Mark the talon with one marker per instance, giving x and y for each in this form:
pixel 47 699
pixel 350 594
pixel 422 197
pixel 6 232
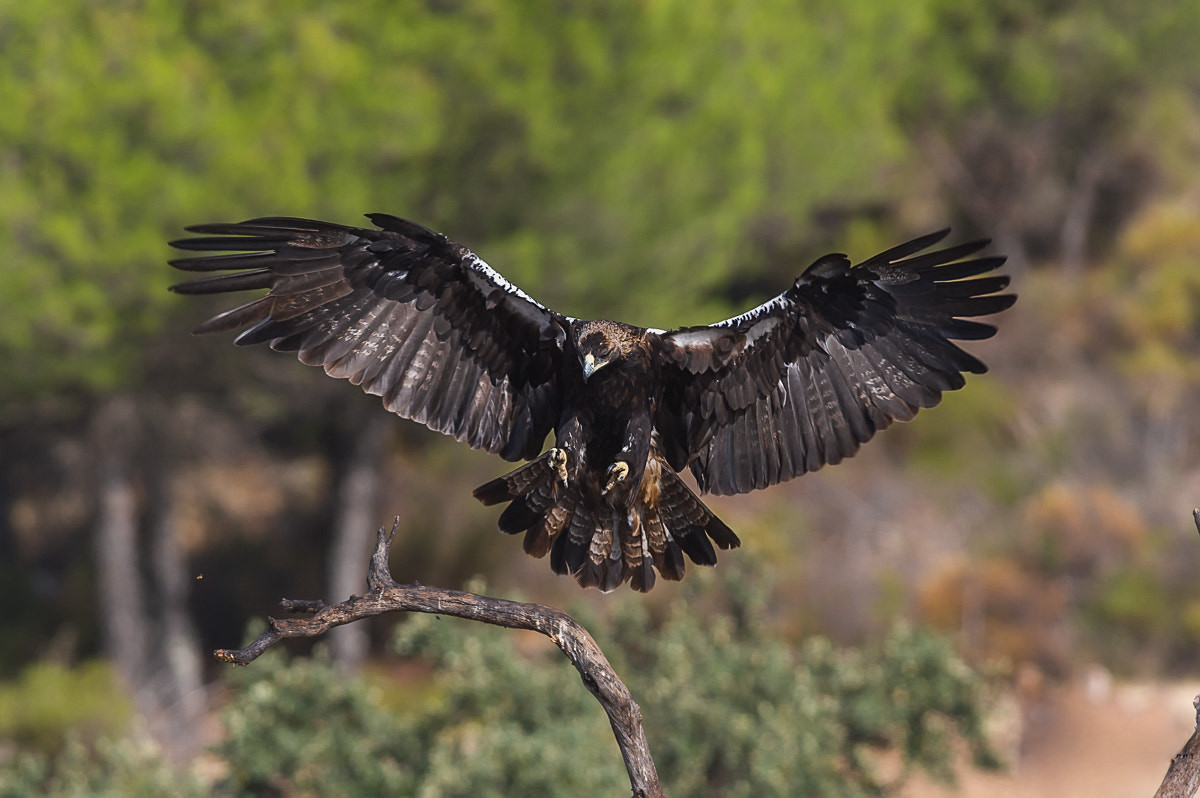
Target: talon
pixel 558 461
pixel 617 472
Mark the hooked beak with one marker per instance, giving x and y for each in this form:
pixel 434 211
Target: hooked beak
pixel 590 366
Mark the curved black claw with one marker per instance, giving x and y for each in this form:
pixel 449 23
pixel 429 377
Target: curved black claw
pixel 617 472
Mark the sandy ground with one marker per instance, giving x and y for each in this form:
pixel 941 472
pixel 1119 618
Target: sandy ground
pixel 1094 738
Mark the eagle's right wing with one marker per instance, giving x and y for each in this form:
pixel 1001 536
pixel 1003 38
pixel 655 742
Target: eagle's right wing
pixel 402 311
pixel 804 379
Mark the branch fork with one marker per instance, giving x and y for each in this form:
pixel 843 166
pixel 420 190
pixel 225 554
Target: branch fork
pixel 385 595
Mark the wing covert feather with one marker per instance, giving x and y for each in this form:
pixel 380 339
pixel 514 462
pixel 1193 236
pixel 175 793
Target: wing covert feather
pixel 401 311
pixel 806 378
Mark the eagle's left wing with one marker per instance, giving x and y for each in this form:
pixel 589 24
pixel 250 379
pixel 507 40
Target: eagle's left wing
pixel 807 377
pixel 406 313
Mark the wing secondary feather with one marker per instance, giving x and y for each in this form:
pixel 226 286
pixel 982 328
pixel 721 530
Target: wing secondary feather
pixel 401 311
pixel 804 379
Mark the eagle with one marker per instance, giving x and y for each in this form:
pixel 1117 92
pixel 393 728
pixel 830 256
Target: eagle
pixel 798 382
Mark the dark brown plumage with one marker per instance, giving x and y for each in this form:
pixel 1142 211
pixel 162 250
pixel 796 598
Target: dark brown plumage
pixel 783 389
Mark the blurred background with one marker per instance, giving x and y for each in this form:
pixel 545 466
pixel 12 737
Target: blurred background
pixel 663 162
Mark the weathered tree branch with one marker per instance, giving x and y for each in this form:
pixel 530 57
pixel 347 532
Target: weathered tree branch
pixel 1183 776
pixel 384 595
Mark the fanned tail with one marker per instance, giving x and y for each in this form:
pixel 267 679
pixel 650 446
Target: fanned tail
pixel 539 505
pixel 599 545
pixel 668 521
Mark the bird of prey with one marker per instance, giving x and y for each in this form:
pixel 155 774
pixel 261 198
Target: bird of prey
pixel 798 382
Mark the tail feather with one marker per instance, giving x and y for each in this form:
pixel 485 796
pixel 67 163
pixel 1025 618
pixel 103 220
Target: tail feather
pixel 668 556
pixel 691 522
pixel 598 568
pixel 518 517
pixel 601 546
pixel 569 551
pixel 638 557
pixel 516 483
pixel 540 536
pixel 614 575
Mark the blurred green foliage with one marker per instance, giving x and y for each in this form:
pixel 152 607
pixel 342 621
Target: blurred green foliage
pixel 47 701
pixel 732 709
pixel 1132 603
pixel 108 768
pixel 974 419
pixel 1155 306
pixel 303 728
pixel 729 709
pixel 582 148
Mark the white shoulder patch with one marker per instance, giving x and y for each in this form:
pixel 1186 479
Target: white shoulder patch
pixel 487 279
pixel 778 303
pixel 477 265
pixel 694 338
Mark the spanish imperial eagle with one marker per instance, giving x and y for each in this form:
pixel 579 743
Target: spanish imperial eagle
pixel 800 381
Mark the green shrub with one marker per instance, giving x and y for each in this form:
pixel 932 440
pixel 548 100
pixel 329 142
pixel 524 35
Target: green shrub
pixel 48 700
pixel 125 768
pixel 729 709
pixel 301 728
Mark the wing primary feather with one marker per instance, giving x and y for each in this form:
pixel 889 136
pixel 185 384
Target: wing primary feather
pixel 901 251
pixel 337 294
pixel 249 313
pixel 973 288
pixel 934 262
pixel 222 283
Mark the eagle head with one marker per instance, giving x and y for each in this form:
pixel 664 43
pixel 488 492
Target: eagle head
pixel 599 343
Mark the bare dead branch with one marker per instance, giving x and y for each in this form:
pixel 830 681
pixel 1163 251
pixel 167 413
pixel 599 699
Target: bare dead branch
pixel 384 595
pixel 1183 776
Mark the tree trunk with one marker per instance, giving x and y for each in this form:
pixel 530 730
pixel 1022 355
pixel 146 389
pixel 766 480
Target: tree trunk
pixel 1078 214
pixel 150 640
pixel 181 697
pixel 972 198
pixel 122 610
pixel 359 489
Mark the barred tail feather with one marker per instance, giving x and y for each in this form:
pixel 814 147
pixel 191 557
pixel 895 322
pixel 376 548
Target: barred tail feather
pixel 603 567
pixel 538 505
pixel 690 523
pixel 541 536
pixel 516 483
pixel 675 522
pixel 603 547
pixel 569 550
pixel 638 558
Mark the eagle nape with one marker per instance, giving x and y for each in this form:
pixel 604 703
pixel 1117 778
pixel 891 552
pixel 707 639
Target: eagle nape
pixel 798 382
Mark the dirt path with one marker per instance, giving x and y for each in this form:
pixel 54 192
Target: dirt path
pixel 1097 740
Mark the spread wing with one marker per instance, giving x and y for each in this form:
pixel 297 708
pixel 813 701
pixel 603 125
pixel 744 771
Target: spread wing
pixel 401 311
pixel 807 377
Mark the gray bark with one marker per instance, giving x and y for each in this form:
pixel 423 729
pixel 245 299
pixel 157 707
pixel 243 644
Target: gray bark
pixel 181 696
pixel 357 502
pixel 384 595
pixel 122 609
